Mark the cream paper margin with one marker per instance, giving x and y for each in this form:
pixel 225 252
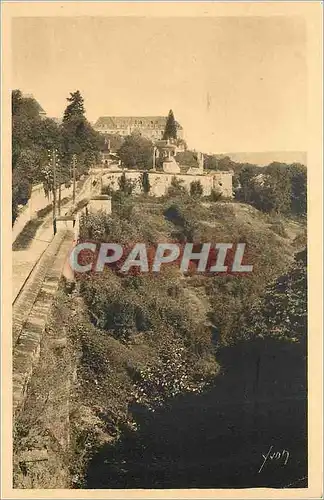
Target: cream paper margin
pixel 312 13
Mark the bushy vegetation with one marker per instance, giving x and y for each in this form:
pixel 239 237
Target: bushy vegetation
pixel 176 189
pixel 218 162
pixel 277 188
pixel 196 189
pixel 178 219
pixel 282 310
pixel 215 195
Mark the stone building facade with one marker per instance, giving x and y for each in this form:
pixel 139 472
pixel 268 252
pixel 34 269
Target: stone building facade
pixel 151 127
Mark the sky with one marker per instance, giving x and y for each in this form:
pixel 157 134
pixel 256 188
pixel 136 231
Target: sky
pixel 234 83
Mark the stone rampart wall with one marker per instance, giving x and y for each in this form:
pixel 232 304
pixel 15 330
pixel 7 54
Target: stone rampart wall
pixel 160 181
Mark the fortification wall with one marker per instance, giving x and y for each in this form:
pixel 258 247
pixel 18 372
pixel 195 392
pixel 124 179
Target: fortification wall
pixel 160 181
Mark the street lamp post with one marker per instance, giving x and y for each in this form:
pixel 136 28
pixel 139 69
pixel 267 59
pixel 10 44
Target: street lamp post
pixel 154 157
pixel 54 182
pixel 73 167
pixel 59 183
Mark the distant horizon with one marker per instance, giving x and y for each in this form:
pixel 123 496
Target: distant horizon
pixel 263 158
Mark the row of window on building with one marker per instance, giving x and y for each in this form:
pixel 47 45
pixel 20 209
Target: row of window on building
pixel 124 131
pixel 124 126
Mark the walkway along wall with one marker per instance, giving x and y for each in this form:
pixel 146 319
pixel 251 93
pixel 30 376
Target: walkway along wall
pixel 37 201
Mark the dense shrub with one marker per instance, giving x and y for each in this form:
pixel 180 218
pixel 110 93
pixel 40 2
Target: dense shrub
pixel 176 188
pixel 215 195
pixel 196 189
pixel 282 311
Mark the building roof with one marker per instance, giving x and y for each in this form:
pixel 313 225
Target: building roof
pixel 114 122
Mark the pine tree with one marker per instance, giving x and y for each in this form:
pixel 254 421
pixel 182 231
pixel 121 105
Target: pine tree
pixel 76 108
pixel 170 131
pixel 79 138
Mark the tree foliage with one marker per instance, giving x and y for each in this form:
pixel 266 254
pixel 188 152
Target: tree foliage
pixel 79 137
pixel 136 151
pixel 187 158
pixel 277 188
pixel 170 131
pixel 196 189
pixel 217 162
pixel 282 311
pixel 298 178
pixel 75 108
pixel 159 340
pixel 126 186
pixel 32 136
pixel 145 181
pixel 176 188
pixel 112 142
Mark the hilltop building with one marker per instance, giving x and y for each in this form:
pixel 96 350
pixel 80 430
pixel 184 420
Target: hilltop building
pixel 151 127
pixel 165 168
pixel 164 165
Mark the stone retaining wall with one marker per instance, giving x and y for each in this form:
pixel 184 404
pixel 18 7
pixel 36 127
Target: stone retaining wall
pixel 160 181
pixel 24 302
pixel 31 310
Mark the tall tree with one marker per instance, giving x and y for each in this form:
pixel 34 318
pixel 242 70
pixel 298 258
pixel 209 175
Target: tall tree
pixel 246 182
pixel 276 189
pixel 79 138
pixel 76 107
pixel 170 131
pixel 145 182
pixel 298 176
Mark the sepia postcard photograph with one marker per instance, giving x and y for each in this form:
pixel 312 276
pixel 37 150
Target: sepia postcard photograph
pixel 161 299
